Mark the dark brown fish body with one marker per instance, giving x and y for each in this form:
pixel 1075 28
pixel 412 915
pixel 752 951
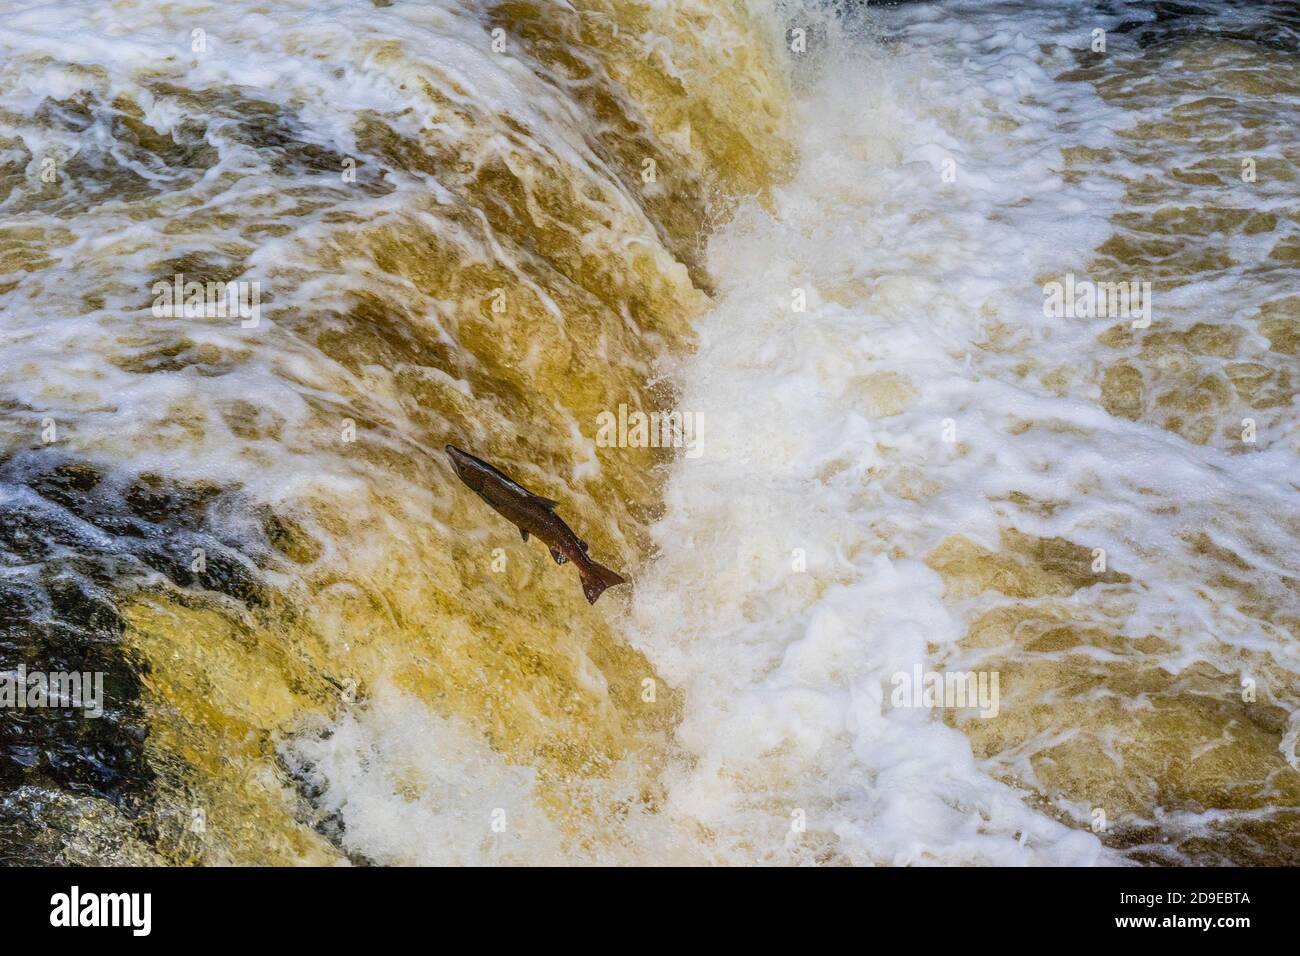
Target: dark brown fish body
pixel 535 515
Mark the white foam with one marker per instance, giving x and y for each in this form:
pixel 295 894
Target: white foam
pixel 783 672
pixel 414 789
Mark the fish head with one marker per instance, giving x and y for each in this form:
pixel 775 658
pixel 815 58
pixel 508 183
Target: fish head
pixel 465 465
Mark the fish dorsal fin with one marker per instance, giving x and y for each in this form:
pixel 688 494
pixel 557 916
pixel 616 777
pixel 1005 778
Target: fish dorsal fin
pixel 583 545
pixel 546 503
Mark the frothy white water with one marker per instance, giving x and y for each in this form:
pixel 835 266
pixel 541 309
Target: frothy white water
pixel 826 446
pixel 824 426
pixel 817 424
pixel 418 788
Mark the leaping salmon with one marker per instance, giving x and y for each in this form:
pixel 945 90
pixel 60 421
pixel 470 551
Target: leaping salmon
pixel 533 514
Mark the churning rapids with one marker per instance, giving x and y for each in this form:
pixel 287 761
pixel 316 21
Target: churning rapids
pixel 822 236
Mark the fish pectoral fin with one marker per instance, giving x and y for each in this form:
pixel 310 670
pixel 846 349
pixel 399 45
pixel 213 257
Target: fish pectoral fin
pixel 559 558
pixel 523 533
pixel 546 503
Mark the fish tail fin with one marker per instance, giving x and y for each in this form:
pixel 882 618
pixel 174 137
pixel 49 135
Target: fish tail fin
pixel 596 578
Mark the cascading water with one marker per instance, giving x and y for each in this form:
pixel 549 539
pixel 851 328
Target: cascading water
pixel 824 236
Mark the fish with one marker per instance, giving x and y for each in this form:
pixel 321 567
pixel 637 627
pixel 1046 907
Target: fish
pixel 534 515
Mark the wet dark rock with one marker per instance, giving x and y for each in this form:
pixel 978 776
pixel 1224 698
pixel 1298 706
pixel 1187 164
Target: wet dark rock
pixel 73 540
